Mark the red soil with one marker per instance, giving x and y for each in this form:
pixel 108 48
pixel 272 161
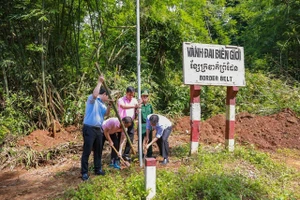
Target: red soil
pixel 281 130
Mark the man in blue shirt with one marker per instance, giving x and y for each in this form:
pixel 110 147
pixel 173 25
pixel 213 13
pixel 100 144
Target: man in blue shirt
pixel 163 127
pixel 92 129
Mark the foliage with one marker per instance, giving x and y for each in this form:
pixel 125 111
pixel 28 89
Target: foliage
pixel 74 102
pixel 266 94
pixel 176 96
pixel 269 31
pixel 50 47
pixel 112 186
pixel 212 101
pixel 18 115
pixel 246 174
pixel 263 94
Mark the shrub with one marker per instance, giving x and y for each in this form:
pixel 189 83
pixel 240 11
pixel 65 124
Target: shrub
pixel 18 116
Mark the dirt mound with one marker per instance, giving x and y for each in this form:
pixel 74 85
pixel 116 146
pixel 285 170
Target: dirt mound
pixel 41 139
pixel 281 130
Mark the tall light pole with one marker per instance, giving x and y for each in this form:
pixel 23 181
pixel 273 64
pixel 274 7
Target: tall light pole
pixel 139 78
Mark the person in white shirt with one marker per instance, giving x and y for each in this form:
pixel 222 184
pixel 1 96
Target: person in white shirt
pixel 163 127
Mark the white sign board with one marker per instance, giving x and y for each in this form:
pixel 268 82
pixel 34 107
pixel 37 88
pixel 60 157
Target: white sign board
pixel 208 64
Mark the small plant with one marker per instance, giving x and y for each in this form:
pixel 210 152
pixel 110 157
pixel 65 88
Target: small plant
pixel 60 174
pixel 180 151
pixel 244 174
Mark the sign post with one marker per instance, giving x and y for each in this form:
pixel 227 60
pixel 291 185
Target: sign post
pixel 230 117
pixel 195 111
pixel 215 65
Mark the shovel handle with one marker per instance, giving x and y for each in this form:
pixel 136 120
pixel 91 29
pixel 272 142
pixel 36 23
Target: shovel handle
pixel 118 154
pixel 115 109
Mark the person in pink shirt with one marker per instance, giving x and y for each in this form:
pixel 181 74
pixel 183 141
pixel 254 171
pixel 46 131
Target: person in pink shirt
pixel 127 107
pixel 114 134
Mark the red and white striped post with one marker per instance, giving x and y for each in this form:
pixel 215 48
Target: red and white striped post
pixel 150 177
pixel 230 117
pixel 195 117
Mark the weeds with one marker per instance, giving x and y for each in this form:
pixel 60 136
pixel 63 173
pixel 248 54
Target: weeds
pixel 180 151
pixel 27 157
pixel 243 174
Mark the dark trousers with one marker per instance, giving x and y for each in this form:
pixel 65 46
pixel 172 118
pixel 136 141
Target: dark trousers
pixel 130 132
pixel 163 143
pixel 92 139
pixel 116 137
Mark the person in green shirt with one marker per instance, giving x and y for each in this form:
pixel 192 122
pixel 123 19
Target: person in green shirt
pixel 146 109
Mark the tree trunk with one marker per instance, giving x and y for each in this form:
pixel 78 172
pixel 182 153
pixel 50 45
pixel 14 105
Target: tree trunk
pixel 43 75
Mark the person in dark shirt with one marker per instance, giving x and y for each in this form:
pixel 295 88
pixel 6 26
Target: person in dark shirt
pixel 146 109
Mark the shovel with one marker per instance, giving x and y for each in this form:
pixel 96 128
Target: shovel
pixel 116 111
pixel 127 164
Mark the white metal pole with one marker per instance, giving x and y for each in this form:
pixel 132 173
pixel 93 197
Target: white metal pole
pixel 139 78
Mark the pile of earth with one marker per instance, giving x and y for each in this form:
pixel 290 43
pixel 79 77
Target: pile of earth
pixel 40 140
pixel 280 130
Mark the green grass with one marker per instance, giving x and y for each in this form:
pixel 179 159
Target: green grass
pixel 244 174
